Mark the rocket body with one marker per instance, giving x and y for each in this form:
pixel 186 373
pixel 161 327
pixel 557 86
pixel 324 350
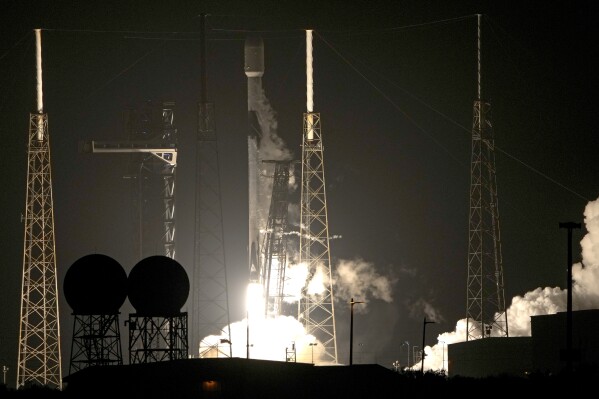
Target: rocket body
pixel 254 70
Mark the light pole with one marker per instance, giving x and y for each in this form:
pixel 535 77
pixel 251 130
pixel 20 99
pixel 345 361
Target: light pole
pixel 351 330
pixel 4 370
pixel 569 226
pixel 423 335
pixel 443 356
pixel 312 345
pixel 247 336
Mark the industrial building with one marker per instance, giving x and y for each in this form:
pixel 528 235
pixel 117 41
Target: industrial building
pixel 231 378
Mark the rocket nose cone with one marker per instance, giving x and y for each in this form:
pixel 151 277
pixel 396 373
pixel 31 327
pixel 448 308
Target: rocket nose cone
pixel 254 57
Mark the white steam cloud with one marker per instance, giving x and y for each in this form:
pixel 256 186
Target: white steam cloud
pixel 272 147
pixel 540 301
pixel 422 306
pixel 359 279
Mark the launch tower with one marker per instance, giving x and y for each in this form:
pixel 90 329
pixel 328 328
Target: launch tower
pixel 485 309
pixel 39 360
pixel 275 240
pixel 316 310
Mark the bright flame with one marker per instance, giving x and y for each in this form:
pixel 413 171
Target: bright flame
pixel 267 338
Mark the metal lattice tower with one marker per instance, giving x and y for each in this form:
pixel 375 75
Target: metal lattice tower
pixel 96 341
pixel 154 162
pixel 210 307
pixel 156 189
pixel 485 309
pixel 39 360
pixel 275 240
pixel 157 338
pixel 156 185
pixel 316 310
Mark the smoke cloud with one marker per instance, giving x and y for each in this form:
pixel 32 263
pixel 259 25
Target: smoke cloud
pixel 272 147
pixel 422 306
pixel 359 279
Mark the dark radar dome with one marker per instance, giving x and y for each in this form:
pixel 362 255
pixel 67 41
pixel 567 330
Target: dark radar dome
pixel 158 286
pixel 95 284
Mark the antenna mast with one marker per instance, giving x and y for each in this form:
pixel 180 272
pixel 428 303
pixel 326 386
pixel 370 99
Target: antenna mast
pixel 485 310
pixel 39 334
pixel 316 310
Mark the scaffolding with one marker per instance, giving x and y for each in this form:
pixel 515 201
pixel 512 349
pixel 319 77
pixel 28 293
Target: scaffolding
pixel 486 315
pixel 275 241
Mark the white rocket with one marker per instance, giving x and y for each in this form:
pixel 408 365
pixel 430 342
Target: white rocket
pixel 254 70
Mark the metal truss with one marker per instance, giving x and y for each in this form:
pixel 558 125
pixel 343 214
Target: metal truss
pixel 316 311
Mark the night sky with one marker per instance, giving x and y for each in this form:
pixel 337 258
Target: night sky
pixel 394 82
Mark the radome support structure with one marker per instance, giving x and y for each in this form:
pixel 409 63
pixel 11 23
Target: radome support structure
pixel 210 308
pixel 485 310
pixel 316 310
pixel 39 359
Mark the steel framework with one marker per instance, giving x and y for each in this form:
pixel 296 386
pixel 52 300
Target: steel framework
pixel 275 240
pixel 155 159
pixel 39 361
pixel 316 310
pixel 485 310
pixel 157 338
pixel 96 341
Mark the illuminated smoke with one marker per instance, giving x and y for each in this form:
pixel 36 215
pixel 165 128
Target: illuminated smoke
pixel 422 306
pixel 319 281
pixel 269 339
pixel 540 301
pixel 359 279
pixel 272 147
pixel 296 275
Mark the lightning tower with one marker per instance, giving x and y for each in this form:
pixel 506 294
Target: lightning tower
pixel 316 310
pixel 485 310
pixel 210 309
pixel 39 360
